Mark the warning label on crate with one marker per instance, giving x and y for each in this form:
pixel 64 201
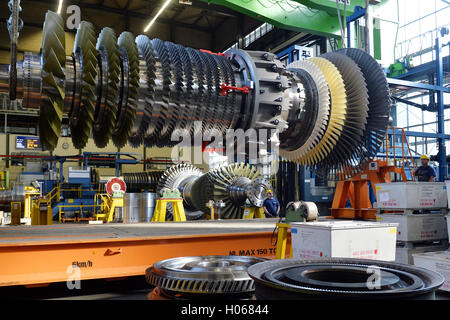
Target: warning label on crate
pixel 391 204
pixel 307 253
pixel 365 254
pixel 427 196
pixel 431 234
pixel 427 202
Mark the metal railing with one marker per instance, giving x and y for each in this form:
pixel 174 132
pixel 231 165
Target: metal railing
pixel 390 145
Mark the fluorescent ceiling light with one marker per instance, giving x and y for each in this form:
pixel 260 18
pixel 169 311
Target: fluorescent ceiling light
pixel 157 15
pixel 60 6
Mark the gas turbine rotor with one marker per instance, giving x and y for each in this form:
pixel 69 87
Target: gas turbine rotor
pixel 331 112
pixel 181 177
pixel 234 185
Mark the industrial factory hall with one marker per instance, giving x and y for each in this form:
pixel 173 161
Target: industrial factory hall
pixel 221 158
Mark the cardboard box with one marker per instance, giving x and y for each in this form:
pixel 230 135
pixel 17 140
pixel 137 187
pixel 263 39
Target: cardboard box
pixel 344 239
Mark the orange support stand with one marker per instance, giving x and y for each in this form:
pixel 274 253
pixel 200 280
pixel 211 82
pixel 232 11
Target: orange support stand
pixel 356 189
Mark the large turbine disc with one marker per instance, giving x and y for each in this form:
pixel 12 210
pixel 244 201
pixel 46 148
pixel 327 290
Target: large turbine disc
pixel 82 115
pixel 349 143
pixel 323 104
pixel 127 109
pixel 379 101
pixel 53 53
pixel 338 113
pixel 106 108
pixel 147 91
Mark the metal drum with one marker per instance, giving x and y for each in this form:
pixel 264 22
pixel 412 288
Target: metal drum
pixel 18 192
pixel 132 212
pixel 148 206
pixel 118 214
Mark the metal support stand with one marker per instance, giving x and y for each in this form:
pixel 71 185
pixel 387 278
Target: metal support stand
pixel 254 213
pixel 161 207
pixel 16 212
pixel 282 240
pixel 42 213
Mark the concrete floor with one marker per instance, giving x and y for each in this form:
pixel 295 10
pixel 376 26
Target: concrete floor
pixel 133 288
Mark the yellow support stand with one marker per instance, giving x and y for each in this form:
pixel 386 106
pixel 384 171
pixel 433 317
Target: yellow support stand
pixel 16 213
pixel 210 205
pixel 253 213
pixel 30 192
pixel 161 207
pixel 282 241
pixel 44 217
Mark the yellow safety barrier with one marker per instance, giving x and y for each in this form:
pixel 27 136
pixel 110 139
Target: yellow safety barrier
pixel 161 207
pixel 72 206
pixel 282 239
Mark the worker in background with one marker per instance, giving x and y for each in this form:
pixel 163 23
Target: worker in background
pixel 271 205
pixel 425 173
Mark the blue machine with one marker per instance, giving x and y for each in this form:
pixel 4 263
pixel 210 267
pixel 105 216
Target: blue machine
pixel 78 191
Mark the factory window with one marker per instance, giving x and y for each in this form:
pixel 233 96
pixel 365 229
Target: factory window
pixel 419 25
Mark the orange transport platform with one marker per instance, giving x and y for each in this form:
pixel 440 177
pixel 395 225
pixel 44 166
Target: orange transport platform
pixel 40 255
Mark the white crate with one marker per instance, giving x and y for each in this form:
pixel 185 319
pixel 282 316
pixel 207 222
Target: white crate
pixel 7 220
pixel 405 251
pixel 447 187
pixel 417 227
pixel 411 195
pixel 435 261
pixel 344 239
pixel 447 217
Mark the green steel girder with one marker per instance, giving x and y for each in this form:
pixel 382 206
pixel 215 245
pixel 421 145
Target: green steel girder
pixel 317 17
pixel 285 14
pixel 329 6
